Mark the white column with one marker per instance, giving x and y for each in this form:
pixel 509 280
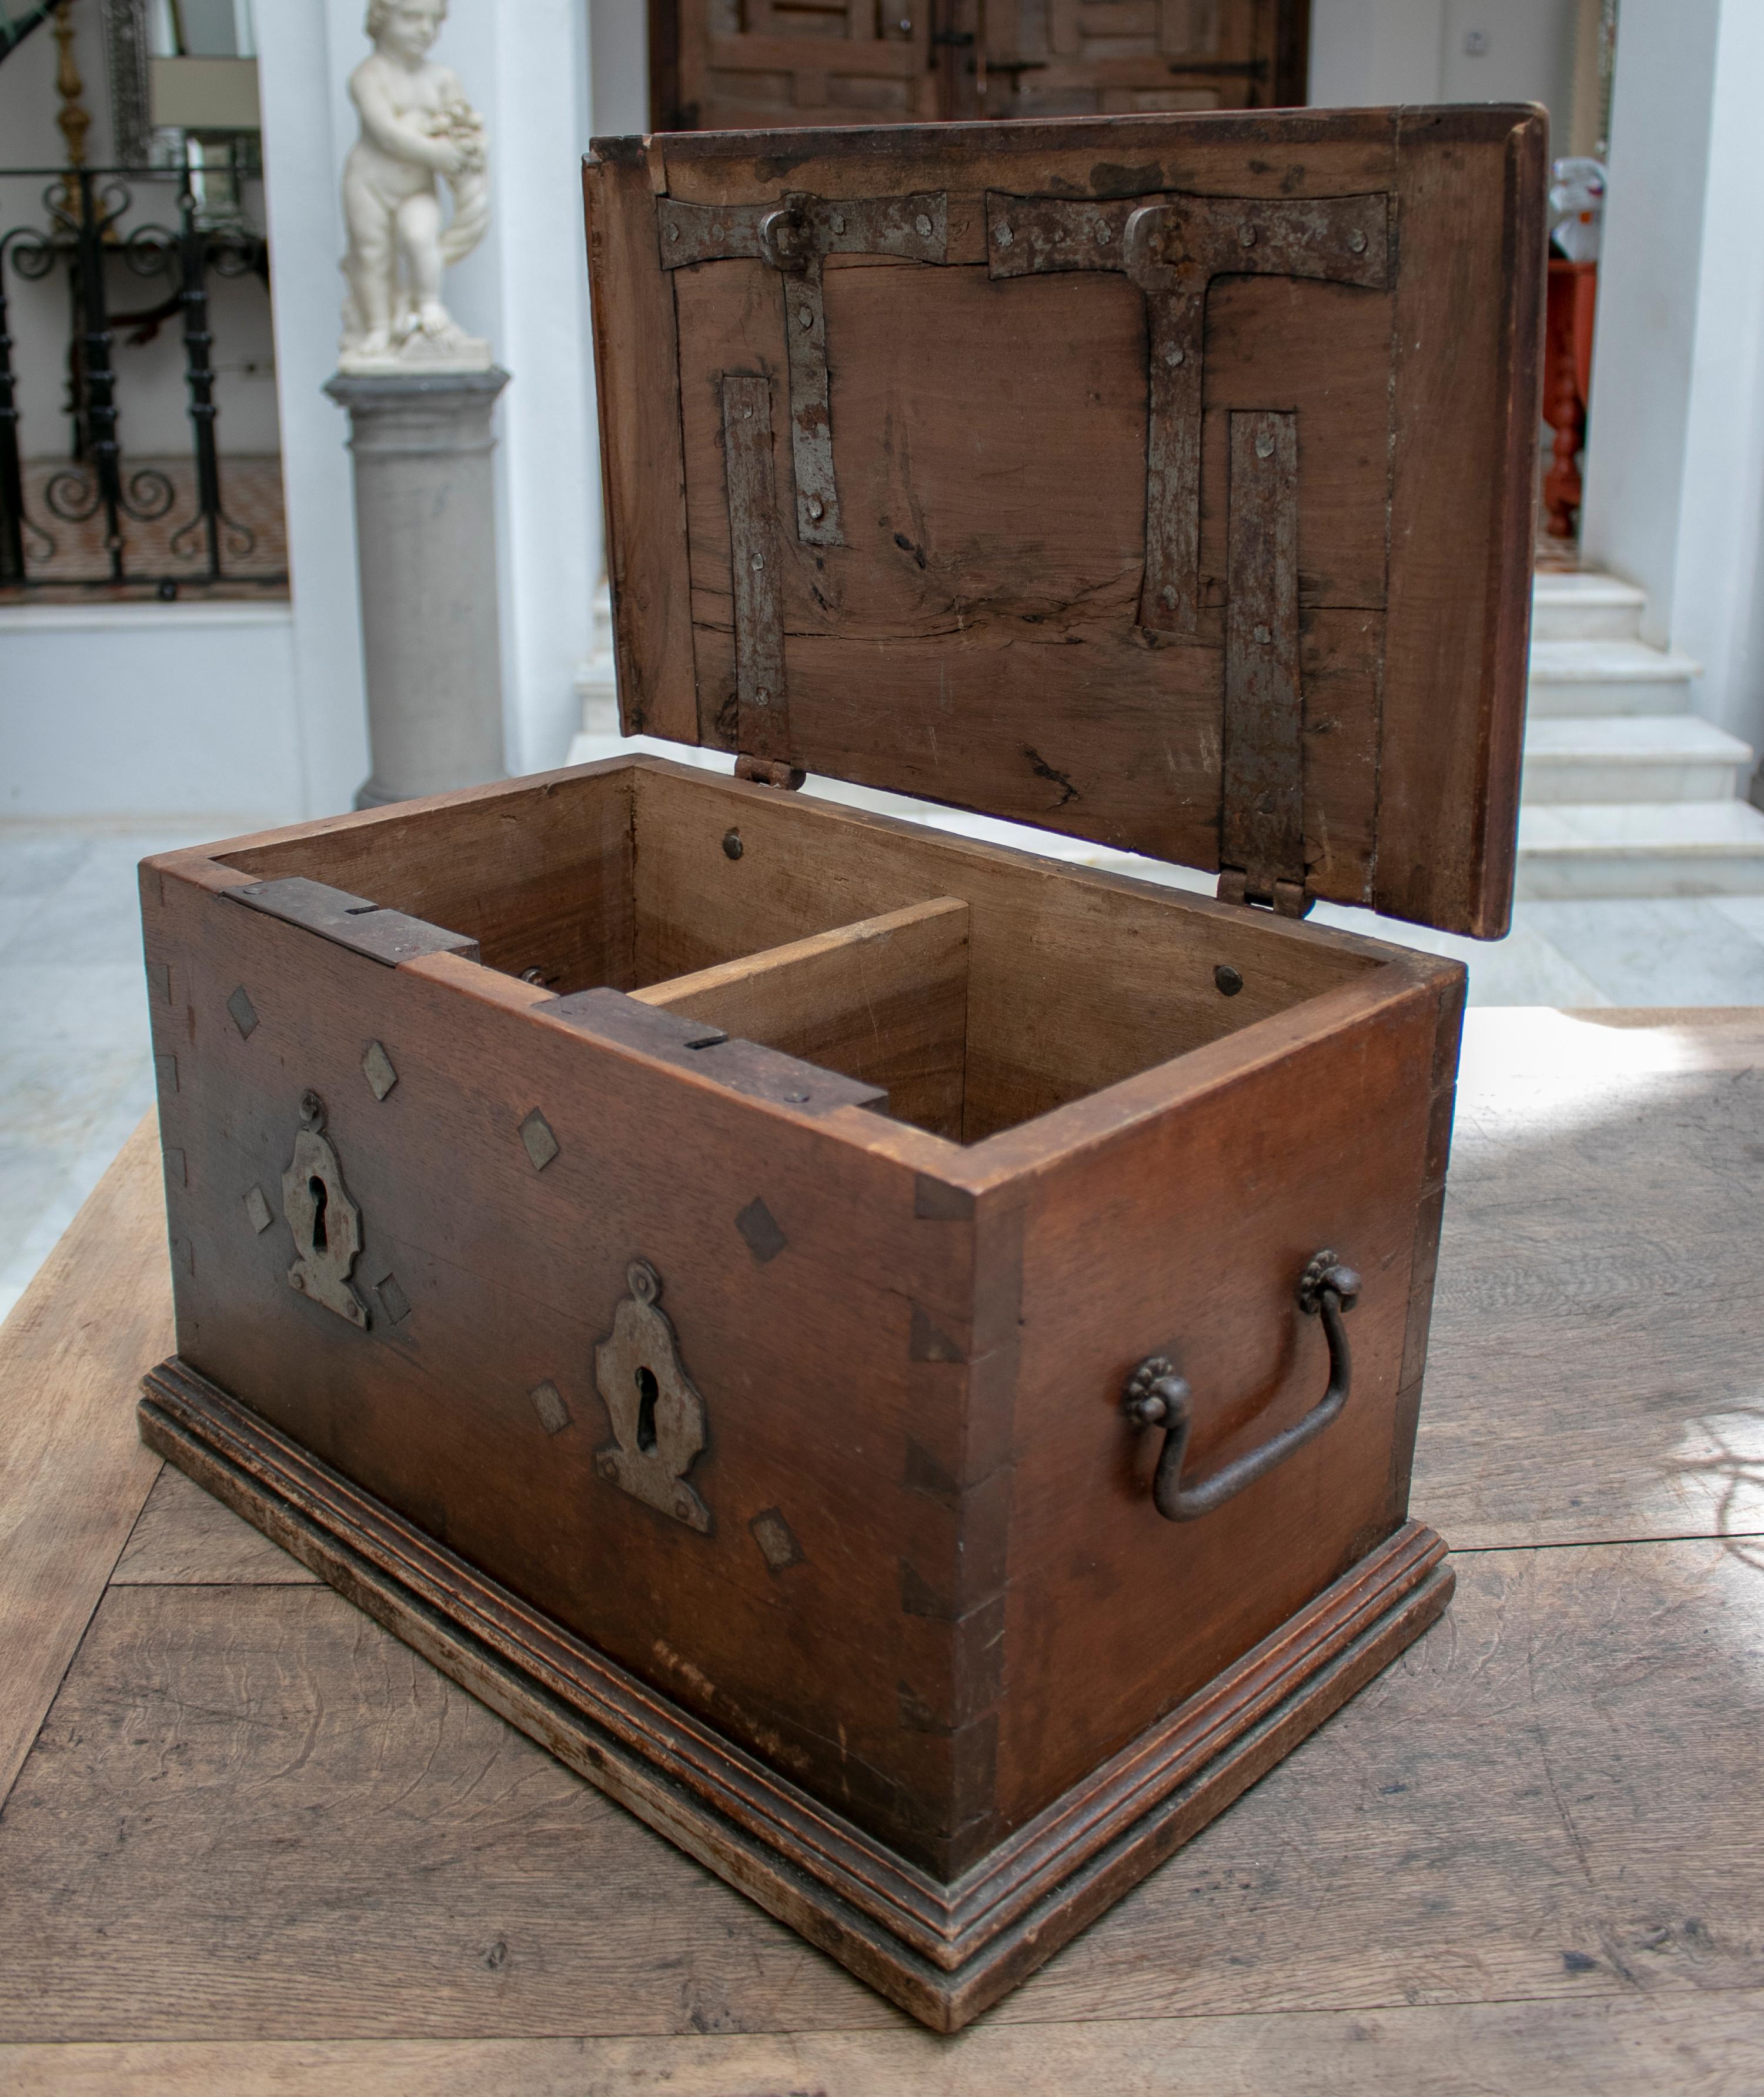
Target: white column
pixel 1717 594
pixel 524 63
pixel 1675 497
pixel 301 48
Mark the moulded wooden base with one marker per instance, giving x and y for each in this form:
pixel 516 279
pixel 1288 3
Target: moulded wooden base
pixel 944 1952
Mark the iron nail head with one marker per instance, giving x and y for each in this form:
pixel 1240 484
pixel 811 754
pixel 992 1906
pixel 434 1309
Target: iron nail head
pixel 839 223
pixel 1168 596
pixel 761 698
pixel 1356 240
pixel 804 317
pixel 1263 636
pixel 1003 235
pixel 673 233
pixel 1264 446
pixel 1247 237
pixel 817 508
pixel 733 847
pixel 759 560
pixel 922 226
pixel 1173 354
pixel 1229 980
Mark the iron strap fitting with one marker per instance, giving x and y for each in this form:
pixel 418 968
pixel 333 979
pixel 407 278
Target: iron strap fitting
pixel 793 237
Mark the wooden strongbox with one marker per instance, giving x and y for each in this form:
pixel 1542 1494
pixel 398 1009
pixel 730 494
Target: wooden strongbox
pixel 896 1358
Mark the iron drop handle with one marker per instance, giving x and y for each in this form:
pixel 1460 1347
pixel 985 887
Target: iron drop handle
pixel 1157 1397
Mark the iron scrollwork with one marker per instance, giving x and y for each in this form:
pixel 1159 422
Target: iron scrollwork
pixel 86 230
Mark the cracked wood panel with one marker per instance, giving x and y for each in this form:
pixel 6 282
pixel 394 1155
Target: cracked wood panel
pixel 1543 1801
pixel 1302 153
pixel 1703 2046
pixel 73 1474
pixel 976 640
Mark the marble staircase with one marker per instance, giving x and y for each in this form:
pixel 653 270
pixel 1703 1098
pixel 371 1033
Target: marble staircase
pixel 1627 793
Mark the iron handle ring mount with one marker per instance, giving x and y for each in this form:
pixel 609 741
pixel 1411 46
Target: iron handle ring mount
pixel 1156 1396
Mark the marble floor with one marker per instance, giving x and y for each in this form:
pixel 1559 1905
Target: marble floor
pixel 76 1076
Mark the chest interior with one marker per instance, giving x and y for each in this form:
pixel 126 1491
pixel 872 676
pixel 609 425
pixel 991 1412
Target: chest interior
pixel 976 987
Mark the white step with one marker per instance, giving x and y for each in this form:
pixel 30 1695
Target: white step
pixel 1569 851
pixel 1587 607
pixel 1581 677
pixel 1632 758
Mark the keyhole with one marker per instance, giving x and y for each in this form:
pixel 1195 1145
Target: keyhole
pixel 321 1195
pixel 647 1394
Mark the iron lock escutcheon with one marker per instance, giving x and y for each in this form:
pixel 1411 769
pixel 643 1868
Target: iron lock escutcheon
pixel 1157 1397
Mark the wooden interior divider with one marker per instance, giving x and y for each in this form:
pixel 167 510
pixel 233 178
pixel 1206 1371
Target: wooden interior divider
pixel 885 1001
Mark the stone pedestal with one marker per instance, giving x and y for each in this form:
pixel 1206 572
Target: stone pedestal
pixel 425 512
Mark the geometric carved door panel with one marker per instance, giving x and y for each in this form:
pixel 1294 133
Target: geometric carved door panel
pixel 720 65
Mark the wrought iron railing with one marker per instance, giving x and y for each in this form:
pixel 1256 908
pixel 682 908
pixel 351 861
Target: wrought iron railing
pixel 89 230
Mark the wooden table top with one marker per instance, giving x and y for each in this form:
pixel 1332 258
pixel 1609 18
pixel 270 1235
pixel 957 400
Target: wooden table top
pixel 251 1843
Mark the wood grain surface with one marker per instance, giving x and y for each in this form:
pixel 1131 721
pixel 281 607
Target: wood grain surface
pixel 1597 1369
pixel 1699 2046
pixel 73 1472
pixel 187 1538
pixel 261 1848
pixel 253 1814
pixel 974 634
pixel 885 1001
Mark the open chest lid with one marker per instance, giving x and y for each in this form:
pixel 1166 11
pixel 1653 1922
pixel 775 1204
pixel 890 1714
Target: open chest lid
pixel 1166 481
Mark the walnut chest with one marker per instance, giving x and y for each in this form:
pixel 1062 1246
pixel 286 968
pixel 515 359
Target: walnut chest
pixel 896 1357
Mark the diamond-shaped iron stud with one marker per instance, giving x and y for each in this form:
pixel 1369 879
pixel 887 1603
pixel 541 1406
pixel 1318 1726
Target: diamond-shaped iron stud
pixel 257 1211
pixel 541 1146
pixel 777 1540
pixel 244 1014
pixel 548 1402
pixel 377 1068
pixel 760 1227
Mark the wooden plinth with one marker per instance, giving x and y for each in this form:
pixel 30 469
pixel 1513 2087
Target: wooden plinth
pixel 944 1952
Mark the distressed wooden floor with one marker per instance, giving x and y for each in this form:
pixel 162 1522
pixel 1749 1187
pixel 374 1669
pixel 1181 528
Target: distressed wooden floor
pixel 251 1844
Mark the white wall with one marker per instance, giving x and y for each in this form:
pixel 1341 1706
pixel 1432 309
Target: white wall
pixel 1718 597
pixel 1528 54
pixel 1365 54
pixel 149 710
pixel 1675 497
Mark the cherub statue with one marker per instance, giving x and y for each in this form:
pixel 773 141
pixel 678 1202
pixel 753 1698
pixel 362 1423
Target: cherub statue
pixel 416 123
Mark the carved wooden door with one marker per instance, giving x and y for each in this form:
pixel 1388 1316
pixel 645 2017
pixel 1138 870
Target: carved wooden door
pixel 737 65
